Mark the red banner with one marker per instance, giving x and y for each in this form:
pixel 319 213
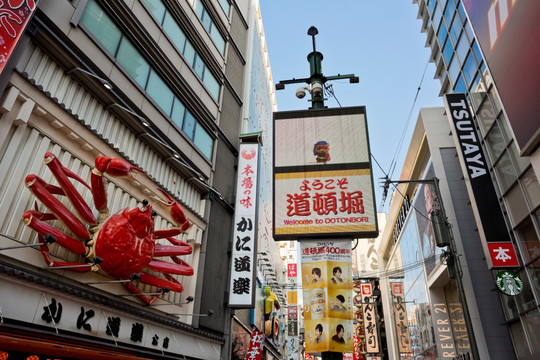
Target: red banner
pixel 14 16
pixel 255 346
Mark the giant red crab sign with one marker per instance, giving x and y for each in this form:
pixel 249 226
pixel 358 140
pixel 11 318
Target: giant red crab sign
pixel 122 244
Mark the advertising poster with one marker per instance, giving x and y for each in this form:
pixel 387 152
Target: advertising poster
pixel 327 285
pixel 400 318
pixel 323 183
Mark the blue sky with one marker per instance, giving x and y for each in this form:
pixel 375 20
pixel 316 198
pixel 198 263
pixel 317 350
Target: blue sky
pixel 380 42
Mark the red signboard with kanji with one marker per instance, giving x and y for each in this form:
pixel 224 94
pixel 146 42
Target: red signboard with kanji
pixel 255 346
pixel 291 270
pixel 502 254
pixel 14 16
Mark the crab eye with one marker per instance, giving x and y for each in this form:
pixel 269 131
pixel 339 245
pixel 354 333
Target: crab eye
pixel 145 202
pixel 154 213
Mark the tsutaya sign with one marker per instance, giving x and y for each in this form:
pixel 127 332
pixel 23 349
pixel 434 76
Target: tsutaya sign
pixel 241 292
pixel 488 210
pixel 323 183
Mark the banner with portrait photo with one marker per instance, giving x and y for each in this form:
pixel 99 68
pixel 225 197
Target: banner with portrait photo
pixel 326 286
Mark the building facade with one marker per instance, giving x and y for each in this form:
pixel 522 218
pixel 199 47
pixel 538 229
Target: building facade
pixel 447 310
pixel 164 86
pixel 469 41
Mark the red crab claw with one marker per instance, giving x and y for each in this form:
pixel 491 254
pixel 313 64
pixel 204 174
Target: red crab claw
pixel 178 215
pixel 110 166
pixel 39 188
pixel 61 174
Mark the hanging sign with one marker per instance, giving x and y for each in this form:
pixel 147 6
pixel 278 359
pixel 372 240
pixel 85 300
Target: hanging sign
pixel 241 291
pixel 323 182
pixel 509 283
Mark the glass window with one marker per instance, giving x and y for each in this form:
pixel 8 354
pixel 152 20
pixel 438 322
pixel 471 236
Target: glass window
pixel 206 20
pixel 461 11
pixel 132 61
pixel 448 50
pixel 160 92
pixel 178 112
pixel 189 54
pixel 525 299
pixel 156 8
pixel 521 162
pixel 469 69
pixel 477 53
pixel 436 16
pixel 431 5
pixel 453 70
pixel 175 33
pixel 449 11
pixel 189 124
pixel 204 141
pixel 532 324
pixel 519 339
pixel 529 244
pixel 101 26
pixel 442 34
pixel 455 29
pixel 462 48
pixel 218 39
pixel 505 171
pixel 212 84
pixel 461 87
pixel 225 5
pixel 198 66
pixel 495 142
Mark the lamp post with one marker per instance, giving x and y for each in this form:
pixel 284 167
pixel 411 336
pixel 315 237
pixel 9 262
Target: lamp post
pixel 444 237
pixel 316 79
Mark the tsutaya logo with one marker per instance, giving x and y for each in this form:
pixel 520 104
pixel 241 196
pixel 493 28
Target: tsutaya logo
pixel 509 283
pixel 466 133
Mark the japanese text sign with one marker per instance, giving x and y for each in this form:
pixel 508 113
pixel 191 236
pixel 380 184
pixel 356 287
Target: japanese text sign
pixel 14 16
pixel 323 183
pixel 400 318
pixel 255 346
pixel 503 255
pixel 241 293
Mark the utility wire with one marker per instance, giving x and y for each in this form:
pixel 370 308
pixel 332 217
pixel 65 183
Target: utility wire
pixel 407 123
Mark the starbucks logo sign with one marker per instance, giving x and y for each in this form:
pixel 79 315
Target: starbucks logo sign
pixel 509 283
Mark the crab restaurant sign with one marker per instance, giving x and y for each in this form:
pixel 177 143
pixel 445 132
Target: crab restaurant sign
pixel 323 182
pixel 481 186
pixel 14 16
pixel 241 291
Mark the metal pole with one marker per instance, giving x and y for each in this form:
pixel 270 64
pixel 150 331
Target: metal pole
pixel 456 265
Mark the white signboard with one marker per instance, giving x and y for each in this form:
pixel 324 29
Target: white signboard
pixel 242 287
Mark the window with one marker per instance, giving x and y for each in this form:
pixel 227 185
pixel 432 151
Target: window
pixel 461 87
pixel 175 33
pixel 132 61
pixel 442 34
pixel 101 26
pixel 225 5
pixel 470 68
pixel 453 71
pixel 210 26
pixel 104 29
pixel 448 50
pixel 455 29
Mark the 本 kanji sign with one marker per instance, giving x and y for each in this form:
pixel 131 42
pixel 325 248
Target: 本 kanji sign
pixel 241 293
pixel 323 183
pixel 503 255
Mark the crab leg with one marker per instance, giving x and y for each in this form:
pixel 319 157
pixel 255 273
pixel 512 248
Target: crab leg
pixel 181 248
pixel 153 280
pixel 41 190
pixel 178 215
pixel 31 218
pixel 180 268
pixel 61 174
pixel 110 166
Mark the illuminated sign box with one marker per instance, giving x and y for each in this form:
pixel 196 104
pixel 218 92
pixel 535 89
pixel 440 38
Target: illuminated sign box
pixel 323 182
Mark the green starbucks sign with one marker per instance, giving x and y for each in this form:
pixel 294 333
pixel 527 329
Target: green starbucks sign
pixel 509 283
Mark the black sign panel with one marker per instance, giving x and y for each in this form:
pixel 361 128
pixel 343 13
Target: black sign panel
pixel 483 190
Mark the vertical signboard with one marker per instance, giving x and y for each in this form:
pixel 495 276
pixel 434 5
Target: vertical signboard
pixel 371 331
pixel 241 291
pixel 400 318
pixel 14 17
pixel 326 283
pixel 323 183
pixel 508 34
pixel 483 192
